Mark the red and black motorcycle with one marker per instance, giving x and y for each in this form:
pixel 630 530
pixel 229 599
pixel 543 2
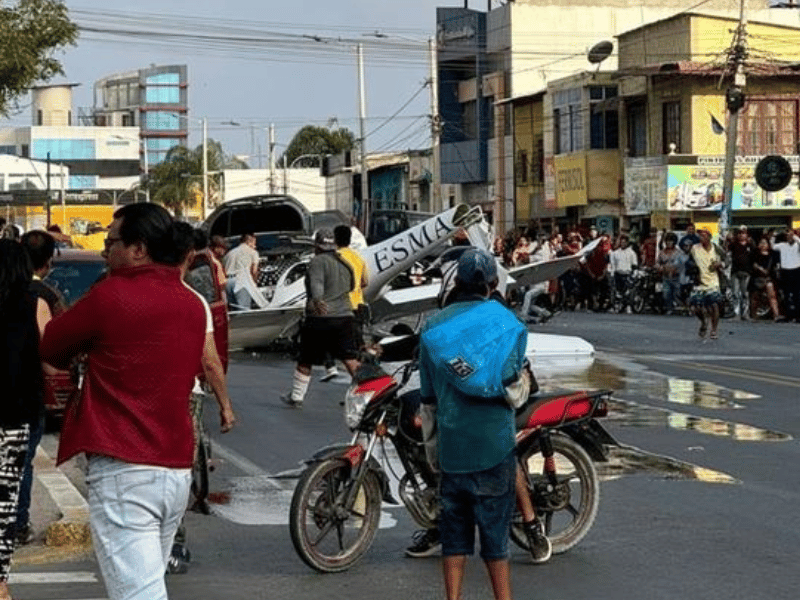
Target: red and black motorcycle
pixel 336 505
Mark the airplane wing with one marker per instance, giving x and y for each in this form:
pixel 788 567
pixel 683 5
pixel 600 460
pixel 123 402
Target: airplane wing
pixel 262 326
pixel 544 271
pixel 405 301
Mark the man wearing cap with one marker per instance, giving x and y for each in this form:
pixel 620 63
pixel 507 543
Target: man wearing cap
pixel 475 424
pixel 329 327
pixel 790 273
pixel 706 297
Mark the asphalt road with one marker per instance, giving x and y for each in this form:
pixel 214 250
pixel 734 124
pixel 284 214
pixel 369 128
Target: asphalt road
pixel 709 512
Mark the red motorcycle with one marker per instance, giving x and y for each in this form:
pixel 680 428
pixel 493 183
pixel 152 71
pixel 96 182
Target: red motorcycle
pixel 336 505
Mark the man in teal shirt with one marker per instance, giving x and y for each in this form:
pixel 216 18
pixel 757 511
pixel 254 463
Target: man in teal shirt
pixel 475 436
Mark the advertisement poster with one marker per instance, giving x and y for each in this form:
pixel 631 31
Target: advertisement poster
pixel 570 171
pixel 699 186
pixel 645 185
pixel 549 182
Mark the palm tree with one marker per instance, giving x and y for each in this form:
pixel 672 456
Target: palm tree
pixel 177 181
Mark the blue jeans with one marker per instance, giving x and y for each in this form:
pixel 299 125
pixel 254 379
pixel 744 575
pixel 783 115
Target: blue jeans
pixel 670 291
pixel 134 512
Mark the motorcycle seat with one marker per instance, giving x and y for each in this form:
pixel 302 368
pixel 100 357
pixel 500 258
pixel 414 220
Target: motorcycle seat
pixel 544 410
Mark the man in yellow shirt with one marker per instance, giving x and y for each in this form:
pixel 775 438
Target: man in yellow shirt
pixel 706 296
pixel 342 235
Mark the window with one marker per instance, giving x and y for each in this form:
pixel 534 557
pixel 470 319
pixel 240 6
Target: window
pixel 768 126
pixel 637 130
pixel 671 126
pixel 567 121
pixel 39 117
pixel 82 182
pixel 604 119
pixel 8 150
pixel 539 164
pixel 522 167
pixel 163 88
pixel 159 120
pixel 63 149
pixel 157 148
pixel 469 119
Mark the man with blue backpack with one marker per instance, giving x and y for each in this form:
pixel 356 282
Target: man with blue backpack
pixel 472 355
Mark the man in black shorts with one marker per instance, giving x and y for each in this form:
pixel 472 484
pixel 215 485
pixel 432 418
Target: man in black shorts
pixel 328 327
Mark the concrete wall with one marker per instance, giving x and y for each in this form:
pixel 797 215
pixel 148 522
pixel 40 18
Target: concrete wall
pixel 307 185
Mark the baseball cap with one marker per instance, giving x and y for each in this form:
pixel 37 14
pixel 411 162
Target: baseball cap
pixel 704 229
pixel 476 266
pixel 324 240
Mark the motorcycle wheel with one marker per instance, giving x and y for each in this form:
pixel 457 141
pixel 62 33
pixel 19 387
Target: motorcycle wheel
pixel 327 536
pixel 569 511
pixel 637 300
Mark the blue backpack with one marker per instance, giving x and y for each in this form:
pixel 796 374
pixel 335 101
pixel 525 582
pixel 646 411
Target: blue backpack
pixel 477 347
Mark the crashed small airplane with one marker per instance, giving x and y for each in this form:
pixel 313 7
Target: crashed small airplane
pixel 279 316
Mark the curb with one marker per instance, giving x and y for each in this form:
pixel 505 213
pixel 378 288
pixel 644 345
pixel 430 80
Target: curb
pixel 72 527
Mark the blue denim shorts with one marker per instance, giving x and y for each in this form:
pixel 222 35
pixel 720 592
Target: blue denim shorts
pixel 486 499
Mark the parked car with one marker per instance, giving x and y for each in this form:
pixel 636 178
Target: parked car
pixel 73 273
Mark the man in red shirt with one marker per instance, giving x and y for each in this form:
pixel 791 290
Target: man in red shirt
pixel 143 331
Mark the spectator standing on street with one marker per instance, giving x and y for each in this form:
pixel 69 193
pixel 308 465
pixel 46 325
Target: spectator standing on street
pixel 329 327
pixel 669 265
pixel 763 280
pixel 649 249
pixel 144 332
pixel 622 262
pixel 690 236
pixel 40 247
pixel 742 251
pixel 21 374
pixel 475 433
pixel 706 297
pixel 789 252
pixel 240 264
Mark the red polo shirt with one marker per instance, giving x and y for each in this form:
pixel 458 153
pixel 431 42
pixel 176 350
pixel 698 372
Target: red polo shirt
pixel 143 331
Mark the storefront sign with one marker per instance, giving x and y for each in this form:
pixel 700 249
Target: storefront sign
pixel 570 178
pixel 645 185
pixel 699 186
pixel 549 183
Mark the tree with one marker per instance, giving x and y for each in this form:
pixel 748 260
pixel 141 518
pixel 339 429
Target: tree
pixel 313 140
pixel 177 181
pixel 29 35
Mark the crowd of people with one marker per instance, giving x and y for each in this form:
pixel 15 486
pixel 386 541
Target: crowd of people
pixel 756 272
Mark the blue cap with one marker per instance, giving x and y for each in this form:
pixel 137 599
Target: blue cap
pixel 476 266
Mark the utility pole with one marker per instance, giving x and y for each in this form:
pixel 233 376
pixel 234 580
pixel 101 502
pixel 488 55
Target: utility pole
pixel 362 116
pixel 205 169
pixel 47 199
pixel 271 158
pixel 734 99
pixel 436 131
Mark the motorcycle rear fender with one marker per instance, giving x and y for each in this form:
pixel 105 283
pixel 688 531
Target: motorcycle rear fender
pixel 342 451
pixel 589 435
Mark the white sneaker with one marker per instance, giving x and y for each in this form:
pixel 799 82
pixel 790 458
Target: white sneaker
pixel 288 400
pixel 330 373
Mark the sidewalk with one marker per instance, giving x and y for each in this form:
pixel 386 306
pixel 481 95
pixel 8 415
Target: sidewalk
pixel 59 513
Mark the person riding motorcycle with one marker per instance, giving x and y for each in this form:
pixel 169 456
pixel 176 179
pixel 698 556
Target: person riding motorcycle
pixel 426 542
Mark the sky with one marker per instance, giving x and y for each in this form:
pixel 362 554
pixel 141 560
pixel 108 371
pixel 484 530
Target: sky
pixel 305 73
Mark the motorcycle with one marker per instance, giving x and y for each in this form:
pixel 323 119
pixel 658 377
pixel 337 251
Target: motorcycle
pixel 336 505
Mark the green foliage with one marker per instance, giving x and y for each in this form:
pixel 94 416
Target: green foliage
pixel 315 140
pixel 30 33
pixel 177 181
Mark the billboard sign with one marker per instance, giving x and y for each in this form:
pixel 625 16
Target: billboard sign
pixel 645 185
pixel 698 186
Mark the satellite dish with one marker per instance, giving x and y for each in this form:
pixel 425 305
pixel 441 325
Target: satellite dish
pixel 599 52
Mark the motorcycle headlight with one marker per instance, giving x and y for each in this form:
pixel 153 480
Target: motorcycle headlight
pixel 354 404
